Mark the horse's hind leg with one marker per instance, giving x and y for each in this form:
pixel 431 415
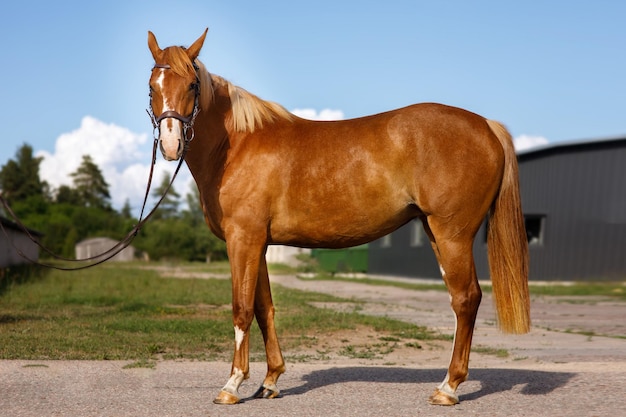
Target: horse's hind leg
pixel 458 271
pixel 264 312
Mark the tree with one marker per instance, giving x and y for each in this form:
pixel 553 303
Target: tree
pixel 67 195
pixel 19 178
pixel 126 212
pixel 194 212
pixel 90 185
pixel 169 206
pixel 207 245
pixel 180 236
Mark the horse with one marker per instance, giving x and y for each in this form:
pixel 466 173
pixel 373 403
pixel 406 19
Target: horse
pixel 268 177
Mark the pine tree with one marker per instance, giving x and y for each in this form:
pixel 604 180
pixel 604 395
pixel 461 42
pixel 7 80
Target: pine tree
pixel 90 185
pixel 194 213
pixel 19 178
pixel 67 195
pixel 169 206
pixel 127 211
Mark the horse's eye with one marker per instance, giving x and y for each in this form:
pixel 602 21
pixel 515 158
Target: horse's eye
pixel 193 87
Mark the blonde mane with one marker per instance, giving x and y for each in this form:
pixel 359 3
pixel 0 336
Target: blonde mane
pixel 206 86
pixel 248 111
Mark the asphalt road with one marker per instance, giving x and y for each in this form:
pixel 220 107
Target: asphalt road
pixel 549 372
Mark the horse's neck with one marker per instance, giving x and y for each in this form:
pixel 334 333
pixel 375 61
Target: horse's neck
pixel 206 158
pixel 208 149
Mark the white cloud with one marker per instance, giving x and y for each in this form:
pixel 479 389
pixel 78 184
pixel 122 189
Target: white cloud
pixel 123 157
pixel 525 142
pixel 325 114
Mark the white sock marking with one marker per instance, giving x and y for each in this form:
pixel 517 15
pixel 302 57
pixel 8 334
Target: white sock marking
pixel 234 382
pixel 239 334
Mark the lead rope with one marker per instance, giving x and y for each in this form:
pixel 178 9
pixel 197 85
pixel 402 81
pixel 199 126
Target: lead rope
pixel 104 256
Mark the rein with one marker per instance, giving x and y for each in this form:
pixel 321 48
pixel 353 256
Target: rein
pixel 104 256
pixel 187 122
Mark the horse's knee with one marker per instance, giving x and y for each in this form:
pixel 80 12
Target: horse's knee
pixel 243 315
pixel 474 295
pixel 467 301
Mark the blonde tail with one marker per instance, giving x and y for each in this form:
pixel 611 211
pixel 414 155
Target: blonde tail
pixel 507 244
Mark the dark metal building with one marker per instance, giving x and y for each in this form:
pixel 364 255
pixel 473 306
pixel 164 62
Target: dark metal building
pixel 14 240
pixel 574 202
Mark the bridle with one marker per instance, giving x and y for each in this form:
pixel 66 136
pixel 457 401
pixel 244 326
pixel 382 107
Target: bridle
pixel 187 121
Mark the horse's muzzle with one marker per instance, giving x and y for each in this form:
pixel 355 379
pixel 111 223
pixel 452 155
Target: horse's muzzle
pixel 167 156
pixel 171 139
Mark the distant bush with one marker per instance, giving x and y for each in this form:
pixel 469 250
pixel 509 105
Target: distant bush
pixel 19 274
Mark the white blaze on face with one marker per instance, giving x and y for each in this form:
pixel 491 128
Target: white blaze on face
pixel 443 272
pixel 170 129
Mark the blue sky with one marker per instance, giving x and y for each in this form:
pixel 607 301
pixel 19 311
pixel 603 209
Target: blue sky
pixel 74 74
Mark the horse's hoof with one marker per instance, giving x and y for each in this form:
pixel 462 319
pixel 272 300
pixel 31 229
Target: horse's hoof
pixel 270 391
pixel 225 397
pixel 442 398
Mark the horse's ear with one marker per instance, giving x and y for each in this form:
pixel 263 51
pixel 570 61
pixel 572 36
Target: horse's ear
pixel 153 45
pixel 194 50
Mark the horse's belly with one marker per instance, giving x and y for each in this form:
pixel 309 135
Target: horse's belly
pixel 336 229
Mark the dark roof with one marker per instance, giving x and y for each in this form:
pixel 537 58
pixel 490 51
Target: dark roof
pixel 11 225
pixel 577 145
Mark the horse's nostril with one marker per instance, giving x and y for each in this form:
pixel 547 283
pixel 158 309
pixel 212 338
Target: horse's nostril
pixel 168 155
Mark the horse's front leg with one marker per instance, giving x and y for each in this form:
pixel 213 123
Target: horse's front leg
pixel 244 254
pixel 264 312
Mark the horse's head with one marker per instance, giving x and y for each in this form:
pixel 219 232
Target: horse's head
pixel 174 94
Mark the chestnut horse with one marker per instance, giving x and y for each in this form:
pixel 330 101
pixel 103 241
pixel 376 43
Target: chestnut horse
pixel 268 177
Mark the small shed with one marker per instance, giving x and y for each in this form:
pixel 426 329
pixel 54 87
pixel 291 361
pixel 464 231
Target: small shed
pixel 15 240
pixel 99 245
pixel 288 255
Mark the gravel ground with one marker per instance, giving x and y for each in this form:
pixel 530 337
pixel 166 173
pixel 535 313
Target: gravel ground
pixel 551 371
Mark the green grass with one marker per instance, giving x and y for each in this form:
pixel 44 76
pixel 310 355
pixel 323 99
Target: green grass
pixel 112 313
pixel 375 351
pixel 129 312
pixel 379 282
pixel 616 290
pixel 499 353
